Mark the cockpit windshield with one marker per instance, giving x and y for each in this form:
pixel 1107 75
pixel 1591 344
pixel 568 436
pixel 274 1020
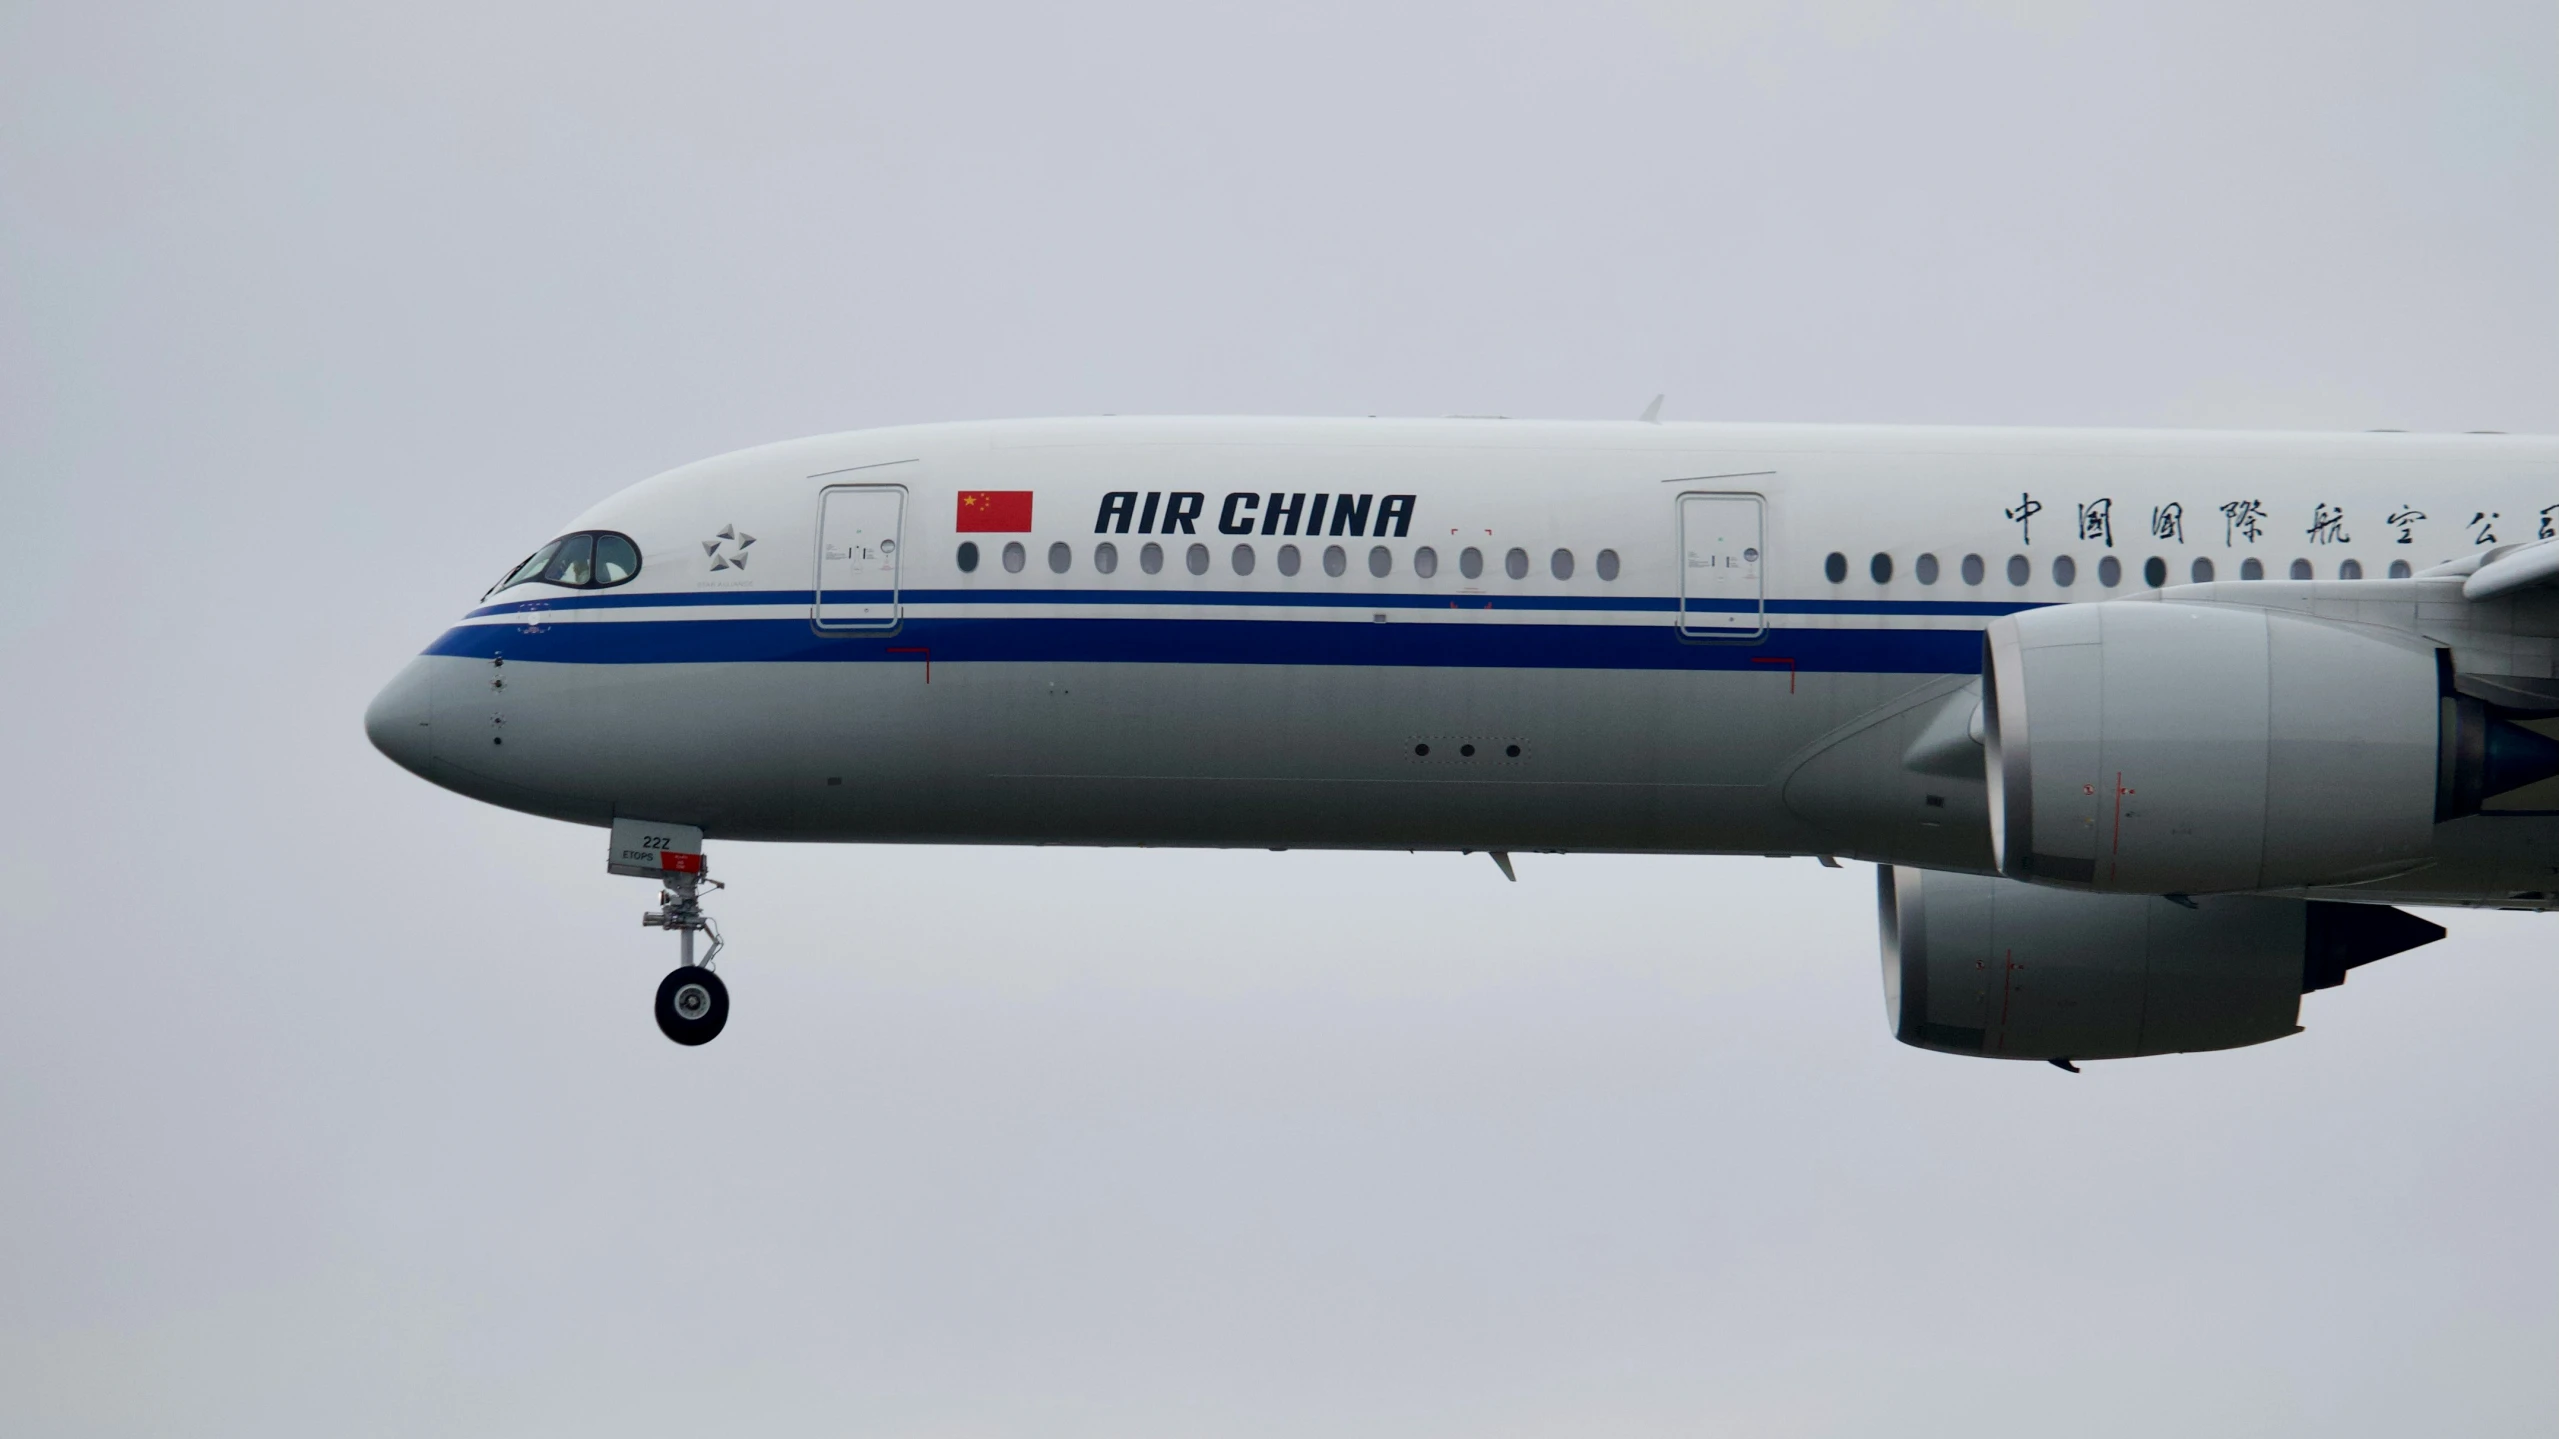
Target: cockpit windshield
pixel 616 559
pixel 588 560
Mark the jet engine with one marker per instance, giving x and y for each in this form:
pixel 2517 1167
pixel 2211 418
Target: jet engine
pixel 2163 748
pixel 1984 966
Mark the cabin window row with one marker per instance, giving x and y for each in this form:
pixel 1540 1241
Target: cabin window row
pixel 1289 560
pixel 2110 570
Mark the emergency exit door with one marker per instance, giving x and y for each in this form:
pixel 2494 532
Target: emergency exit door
pixel 857 545
pixel 1721 594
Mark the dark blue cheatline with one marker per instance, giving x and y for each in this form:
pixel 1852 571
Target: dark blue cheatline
pixel 1250 642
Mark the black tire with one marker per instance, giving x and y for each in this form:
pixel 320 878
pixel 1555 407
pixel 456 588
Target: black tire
pixel 692 1018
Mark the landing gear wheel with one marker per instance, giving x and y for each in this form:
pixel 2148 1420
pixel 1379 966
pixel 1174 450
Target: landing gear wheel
pixel 693 1005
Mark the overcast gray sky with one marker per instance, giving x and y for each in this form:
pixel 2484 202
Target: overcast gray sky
pixel 330 1103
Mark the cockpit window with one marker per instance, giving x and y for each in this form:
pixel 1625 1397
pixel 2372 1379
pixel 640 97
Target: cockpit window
pixel 531 569
pixel 572 564
pixel 588 560
pixel 616 559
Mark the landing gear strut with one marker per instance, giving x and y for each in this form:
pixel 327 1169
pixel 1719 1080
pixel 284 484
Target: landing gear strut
pixel 693 1005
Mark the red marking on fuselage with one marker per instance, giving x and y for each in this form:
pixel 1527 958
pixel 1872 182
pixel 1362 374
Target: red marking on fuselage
pixel 1788 661
pixel 924 650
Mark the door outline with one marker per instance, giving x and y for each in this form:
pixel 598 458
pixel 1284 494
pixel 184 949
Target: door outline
pixel 1724 634
pixel 897 546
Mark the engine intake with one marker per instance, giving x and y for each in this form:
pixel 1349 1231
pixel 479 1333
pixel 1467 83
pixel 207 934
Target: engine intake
pixel 2160 748
pixel 1982 966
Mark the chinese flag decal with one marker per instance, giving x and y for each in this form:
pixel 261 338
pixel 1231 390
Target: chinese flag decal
pixel 1005 512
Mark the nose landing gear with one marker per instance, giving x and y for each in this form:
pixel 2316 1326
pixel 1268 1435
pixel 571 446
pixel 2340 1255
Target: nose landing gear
pixel 693 1003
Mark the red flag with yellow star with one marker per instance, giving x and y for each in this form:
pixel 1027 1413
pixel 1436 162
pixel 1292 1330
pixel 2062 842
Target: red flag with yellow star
pixel 1003 512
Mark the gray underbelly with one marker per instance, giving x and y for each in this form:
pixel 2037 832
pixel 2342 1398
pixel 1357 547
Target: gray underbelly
pixel 1188 754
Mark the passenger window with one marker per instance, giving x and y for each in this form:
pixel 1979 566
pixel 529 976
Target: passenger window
pixel 2201 573
pixel 1560 564
pixel 1925 568
pixel 1835 568
pixel 1881 569
pixel 1242 559
pixel 1288 559
pixel 1608 565
pixel 1336 563
pixel 1974 570
pixel 2399 570
pixel 2301 569
pixel 1106 558
pixel 1470 563
pixel 968 557
pixel 1425 562
pixel 1015 557
pixel 1060 556
pixel 1381 561
pixel 616 559
pixel 1151 558
pixel 2110 572
pixel 1195 559
pixel 2065 571
pixel 2252 569
pixel 2351 570
pixel 2019 571
pixel 1515 564
pixel 2154 572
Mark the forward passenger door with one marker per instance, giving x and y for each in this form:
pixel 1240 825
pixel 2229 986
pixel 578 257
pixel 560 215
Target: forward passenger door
pixel 858 533
pixel 1721 592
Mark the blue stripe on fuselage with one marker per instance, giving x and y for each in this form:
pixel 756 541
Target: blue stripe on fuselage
pixel 1220 641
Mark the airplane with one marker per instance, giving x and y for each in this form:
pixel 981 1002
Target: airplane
pixel 2147 734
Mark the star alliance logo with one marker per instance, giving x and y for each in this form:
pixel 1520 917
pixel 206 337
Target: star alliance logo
pixel 734 559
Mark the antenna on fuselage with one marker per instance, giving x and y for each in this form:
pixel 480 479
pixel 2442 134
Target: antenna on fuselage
pixel 1653 412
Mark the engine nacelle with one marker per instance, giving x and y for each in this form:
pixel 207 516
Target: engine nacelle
pixel 1982 966
pixel 2162 748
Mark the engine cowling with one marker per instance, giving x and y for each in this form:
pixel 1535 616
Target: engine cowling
pixel 2163 748
pixel 1982 966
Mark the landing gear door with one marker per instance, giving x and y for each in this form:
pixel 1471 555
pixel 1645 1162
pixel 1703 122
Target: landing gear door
pixel 857 553
pixel 1721 592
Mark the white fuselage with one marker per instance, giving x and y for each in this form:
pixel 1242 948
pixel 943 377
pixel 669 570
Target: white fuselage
pixel 1507 635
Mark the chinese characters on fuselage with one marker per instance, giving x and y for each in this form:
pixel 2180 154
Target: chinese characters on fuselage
pixel 2024 512
pixel 2245 521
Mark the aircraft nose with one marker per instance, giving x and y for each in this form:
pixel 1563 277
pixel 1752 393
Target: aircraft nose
pixel 397 720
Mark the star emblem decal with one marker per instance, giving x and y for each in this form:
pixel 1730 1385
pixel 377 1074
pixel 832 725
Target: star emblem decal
pixel 734 537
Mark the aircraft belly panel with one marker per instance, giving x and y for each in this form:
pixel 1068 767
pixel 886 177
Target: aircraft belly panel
pixel 1120 753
